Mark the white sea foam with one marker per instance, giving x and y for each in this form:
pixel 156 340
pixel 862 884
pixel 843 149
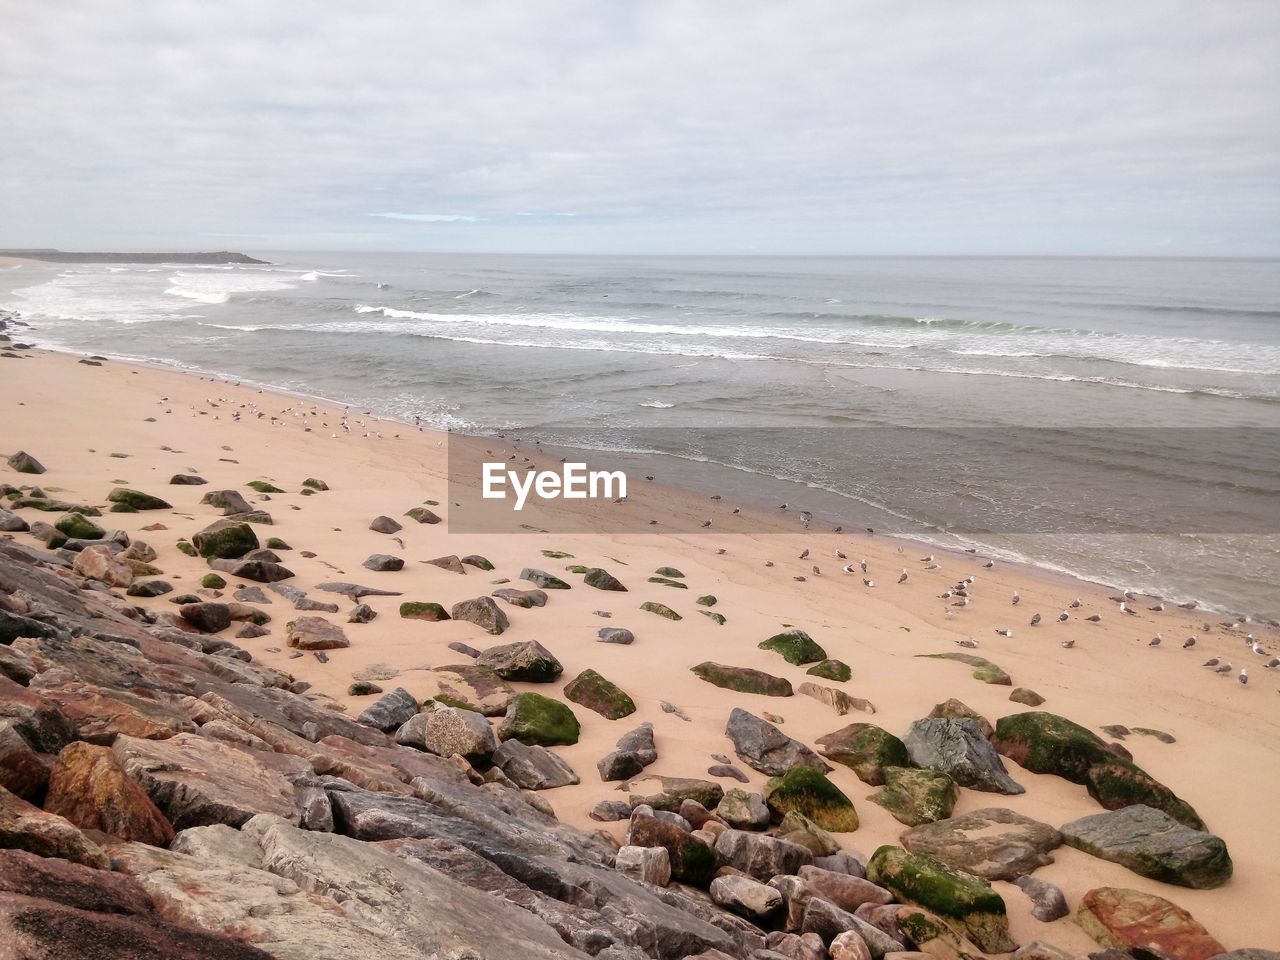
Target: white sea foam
pixel 216 289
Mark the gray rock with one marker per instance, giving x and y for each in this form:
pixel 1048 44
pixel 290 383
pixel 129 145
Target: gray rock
pixel 746 897
pixel 12 523
pixel 743 810
pixel 251 595
pixel 762 746
pixel 761 856
pixel 390 711
pixel 994 843
pixel 1151 843
pixel 611 811
pixel 853 865
pixel 355 591
pixel 615 635
pixel 1047 901
pixel 483 612
pixel 542 579
pixel 149 588
pixel 383 563
pixel 361 613
pixel 728 771
pixel 619 765
pixel 24 462
pixel 230 502
pixel 956 747
pixel 826 919
pixel 522 598
pixel 528 661
pixel 385 525
pixel 533 767
pixel 640 742
pixel 646 864
pixel 446 731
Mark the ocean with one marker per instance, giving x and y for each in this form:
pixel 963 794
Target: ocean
pixel 1114 419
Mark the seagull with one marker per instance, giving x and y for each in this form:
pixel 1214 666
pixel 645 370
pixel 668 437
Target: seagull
pixel 706 523
pixel 1155 641
pixel 989 564
pixel 1257 649
pixel 1035 619
pixel 928 559
pixel 1076 604
pixel 863 565
pixel 868 583
pixel 768 563
pixel 1188 643
pixel 1124 608
pixel 945 596
pixel 804 554
pixel 816 571
pixel 1063 617
pixel 970 643
pixel 1225 668
pixel 840 555
pixel 1069 643
pixel 1158 608
pixel 847 568
pixel 1096 618
pixel 1272 663
pixel 1212 662
pixel 1244 677
pixel 1017 598
pixel 737 509
pixel 902 577
pixel 1005 632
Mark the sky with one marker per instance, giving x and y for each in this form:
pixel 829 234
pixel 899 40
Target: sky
pixel 717 126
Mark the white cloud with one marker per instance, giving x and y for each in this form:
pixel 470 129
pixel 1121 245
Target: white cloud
pixel 429 217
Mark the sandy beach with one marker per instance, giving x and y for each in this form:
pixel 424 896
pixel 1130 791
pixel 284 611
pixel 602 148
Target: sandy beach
pixel 95 427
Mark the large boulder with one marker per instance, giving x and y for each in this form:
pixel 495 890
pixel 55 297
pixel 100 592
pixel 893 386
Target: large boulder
pixel 764 747
pixel 26 827
pixel 743 810
pixel 483 612
pixel 471 687
pixel 603 696
pixel 692 860
pixel 537 720
pixel 603 580
pixel 806 791
pixel 916 796
pixel 865 749
pixel 960 709
pixel 845 891
pixel 542 579
pixel 1151 843
pixel 743 679
pixel 137 500
pixel 230 502
pixel 646 864
pixel 446 731
pixel 995 844
pixel 749 898
pixel 98 563
pixel 1120 918
pixel 966 903
pixel 22 772
pixel 78 527
pixel 390 711
pixel 956 747
pixel 836 670
pixel 315 633
pixel 24 462
pixel 206 616
pixel 533 767
pixel 795 646
pixel 225 540
pixel 761 856
pixel 527 661
pixel 90 788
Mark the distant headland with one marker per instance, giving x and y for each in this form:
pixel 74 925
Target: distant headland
pixel 64 256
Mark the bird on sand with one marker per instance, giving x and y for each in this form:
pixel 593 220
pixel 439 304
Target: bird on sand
pixel 706 523
pixel 768 563
pixel 863 565
pixel 1188 643
pixel 1155 641
pixel 1005 632
pixel 1035 619
pixel 1096 618
pixel 928 559
pixel 1125 608
pixel 902 577
pixel 1017 598
pixel 1063 617
pixel 1224 669
pixel 1069 643
pixel 1212 662
pixel 970 643
pixel 816 571
pixel 804 554
pixel 847 568
pixel 1244 677
pixel 840 555
pixel 868 583
pixel 1076 604
pixel 1272 663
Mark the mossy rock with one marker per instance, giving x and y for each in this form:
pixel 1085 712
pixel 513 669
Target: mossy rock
pixel 916 796
pixel 661 610
pixel 78 527
pixel 836 670
pixel 184 546
pixel 225 540
pixel 594 692
pixel 307 492
pixel 422 515
pixel 137 499
pixel 275 543
pixel 1026 697
pixel 804 790
pixel 262 486
pixel 712 615
pixel 417 610
pixel 743 679
pixel 557 554
pixel 311 483
pixel 458 703
pixel 212 581
pixel 1116 783
pixel 865 749
pixel 537 720
pixel 966 903
pixel 122 508
pixel 983 669
pixel 363 688
pixel 602 579
pixel 667 582
pixel 708 600
pixel 578 568
pixel 669 572
pixel 795 646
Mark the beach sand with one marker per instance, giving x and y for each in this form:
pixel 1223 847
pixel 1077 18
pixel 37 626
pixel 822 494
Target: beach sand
pixel 1225 761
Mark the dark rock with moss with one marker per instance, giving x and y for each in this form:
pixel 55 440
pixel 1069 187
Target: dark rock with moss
pixel 423 610
pixel 422 515
pixel 805 790
pixel 661 610
pixel 594 692
pixel 670 793
pixel 477 561
pixel 964 902
pixel 1026 697
pixel 865 749
pixel 692 860
pixel 230 502
pixel 211 581
pixel 149 588
pixel 78 527
pixel 534 719
pixel 915 797
pixel 12 523
pixel 795 646
pixel 1151 843
pixel 542 579
pixel 311 483
pixel 483 612
pixel 983 669
pixel 743 679
pixel 383 563
pixel 525 599
pixel 363 688
pixel 762 746
pixel 390 711
pixel 667 582
pixel 578 568
pixel 993 843
pixel 603 580
pixel 263 486
pixel 708 600
pixel 137 499
pixel 207 617
pixel 1118 782
pixel 527 661
pixel 275 543
pixel 225 540
pixel 260 571
pixel 836 670
pixel 187 480
pixel 185 546
pixel 714 617
pixel 24 462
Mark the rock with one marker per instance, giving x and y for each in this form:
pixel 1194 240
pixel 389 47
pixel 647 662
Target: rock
pixel 79 526
pixel 960 710
pixel 251 631
pixel 846 892
pixel 761 856
pixel 804 790
pixel 24 827
pixel 137 500
pixel 206 616
pixel 1047 901
pixel 431 612
pixel 228 501
pixel 533 767
pixel 471 687
pixel 150 588
pixel 692 861
pixel 983 669
pixel 661 610
pixel 669 793
pixel 746 897
pixel 956 747
pixel 12 523
pixel 446 731
pixel 1046 743
pixel 99 715
pixel 22 772
pixel 827 920
pixel 799 829
pixel 1249 953
pixel 24 462
pixel 1152 844
pixel 743 810
pixel 603 696
pixel 537 720
pixel 195 781
pixel 966 903
pixel 260 571
pixel 618 766
pixel 385 525
pixel 225 540
pixel 839 701
pixel 1120 918
pixel 187 480
pixel 765 748
pixel 646 864
pixel 527 661
pixel 615 635
pixel 1026 696
pixel 390 711
pixel 89 787
pixel 363 688
pixel 542 579
pixel 640 742
pixel 361 613
pixel 836 670
pixel 422 515
pixel 994 843
pixel 97 563
pixel 483 612
pixel 450 563
pixel 36 719
pixel 743 679
pixel 603 580
pixel 611 811
pixel 315 633
pixel 916 797
pixel 383 563
pixel 849 946
pixel 865 749
pixel 794 646
pixel 525 599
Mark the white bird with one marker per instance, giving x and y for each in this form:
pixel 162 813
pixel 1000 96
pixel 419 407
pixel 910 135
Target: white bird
pixel 1076 604
pixel 1005 632
pixel 868 583
pixel 1068 643
pixel 706 523
pixel 1244 676
pixel 840 555
pixel 1063 617
pixel 902 577
pixel 1272 663
pixel 1017 598
pixel 847 568
pixel 945 596
pixel 931 566
pixel 1124 608
pixel 928 559
pixel 804 554
pixel 863 565
pixel 970 643
pixel 1257 649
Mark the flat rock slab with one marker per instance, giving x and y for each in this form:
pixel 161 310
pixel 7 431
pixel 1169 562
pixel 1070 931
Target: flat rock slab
pixel 764 747
pixel 355 590
pixel 533 767
pixel 995 844
pixel 1152 844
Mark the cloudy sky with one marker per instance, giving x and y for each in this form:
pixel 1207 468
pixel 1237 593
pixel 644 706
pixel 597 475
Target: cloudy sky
pixel 716 126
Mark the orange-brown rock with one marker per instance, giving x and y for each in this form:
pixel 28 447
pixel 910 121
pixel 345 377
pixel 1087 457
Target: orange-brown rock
pixel 26 827
pixel 21 771
pixel 99 715
pixel 1117 917
pixel 89 787
pixel 98 563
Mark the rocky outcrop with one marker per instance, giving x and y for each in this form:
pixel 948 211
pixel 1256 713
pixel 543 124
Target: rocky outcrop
pixel 90 788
